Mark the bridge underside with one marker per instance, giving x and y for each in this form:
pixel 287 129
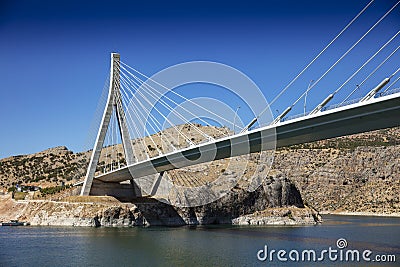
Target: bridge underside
pixel 376 114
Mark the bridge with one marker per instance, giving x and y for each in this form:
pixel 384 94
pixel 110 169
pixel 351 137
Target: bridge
pixel 141 164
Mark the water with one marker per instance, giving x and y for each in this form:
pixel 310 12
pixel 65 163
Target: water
pixel 186 246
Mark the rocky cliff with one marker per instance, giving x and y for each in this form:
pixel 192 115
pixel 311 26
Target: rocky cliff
pixel 364 179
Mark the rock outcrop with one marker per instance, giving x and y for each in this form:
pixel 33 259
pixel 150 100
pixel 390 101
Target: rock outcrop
pixel 275 193
pixel 279 216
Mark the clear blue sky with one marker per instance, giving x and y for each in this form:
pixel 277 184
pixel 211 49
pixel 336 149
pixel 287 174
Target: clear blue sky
pixel 55 54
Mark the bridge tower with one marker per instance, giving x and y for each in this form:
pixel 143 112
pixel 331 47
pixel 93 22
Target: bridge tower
pixel 114 104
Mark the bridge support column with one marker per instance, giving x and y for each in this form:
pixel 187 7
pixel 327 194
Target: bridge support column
pixel 114 103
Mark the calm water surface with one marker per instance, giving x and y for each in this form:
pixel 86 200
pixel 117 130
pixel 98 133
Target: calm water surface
pixel 184 246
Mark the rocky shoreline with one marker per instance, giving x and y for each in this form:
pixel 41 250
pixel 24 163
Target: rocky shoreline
pixel 115 214
pixel 109 212
pixel 355 213
pixel 276 202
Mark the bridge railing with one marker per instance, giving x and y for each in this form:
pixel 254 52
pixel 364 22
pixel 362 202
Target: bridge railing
pixel 296 116
pixel 389 92
pixel 346 103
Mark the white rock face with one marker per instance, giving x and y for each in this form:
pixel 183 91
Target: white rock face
pixel 52 213
pixel 44 219
pixel 280 216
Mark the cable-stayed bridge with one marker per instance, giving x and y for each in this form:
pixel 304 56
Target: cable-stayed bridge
pixel 142 132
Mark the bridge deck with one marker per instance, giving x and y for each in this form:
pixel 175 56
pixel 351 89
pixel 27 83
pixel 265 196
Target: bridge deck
pixel 374 114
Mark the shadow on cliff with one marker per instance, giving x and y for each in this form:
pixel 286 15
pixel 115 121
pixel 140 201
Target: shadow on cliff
pixel 158 213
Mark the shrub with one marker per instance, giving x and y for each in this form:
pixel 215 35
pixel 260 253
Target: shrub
pixel 11 189
pixel 53 190
pixel 19 195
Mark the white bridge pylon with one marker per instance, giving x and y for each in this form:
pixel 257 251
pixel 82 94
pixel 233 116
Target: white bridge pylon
pixel 114 104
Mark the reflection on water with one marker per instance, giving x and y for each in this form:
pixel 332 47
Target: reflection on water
pixel 182 246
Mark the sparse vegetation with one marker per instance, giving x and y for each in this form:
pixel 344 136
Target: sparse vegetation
pixel 19 195
pixel 52 166
pixel 53 190
pixel 12 189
